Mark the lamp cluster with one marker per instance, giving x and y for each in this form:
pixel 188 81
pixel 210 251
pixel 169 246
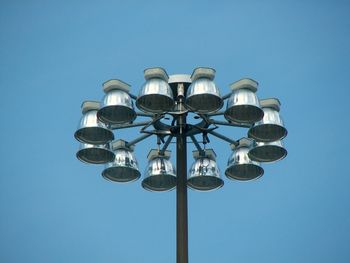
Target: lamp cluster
pixel 177 96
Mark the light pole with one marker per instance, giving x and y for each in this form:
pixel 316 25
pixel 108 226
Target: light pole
pixel 177 96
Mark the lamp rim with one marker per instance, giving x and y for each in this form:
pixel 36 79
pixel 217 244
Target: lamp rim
pixel 112 179
pixel 190 184
pixel 235 178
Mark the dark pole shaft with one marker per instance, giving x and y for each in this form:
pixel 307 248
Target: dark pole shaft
pixel 181 194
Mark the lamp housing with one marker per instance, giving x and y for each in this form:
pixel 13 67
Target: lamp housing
pixel 160 173
pixel 155 96
pixel 204 174
pixel 90 129
pixel 243 105
pixel 124 167
pixel 117 106
pixel 239 166
pixel 203 96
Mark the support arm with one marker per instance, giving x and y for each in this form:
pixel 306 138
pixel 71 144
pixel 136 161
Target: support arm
pixel 194 140
pixel 130 125
pixel 222 137
pixel 137 140
pixel 166 144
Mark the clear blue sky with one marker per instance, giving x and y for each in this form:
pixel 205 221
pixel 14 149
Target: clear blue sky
pixel 55 54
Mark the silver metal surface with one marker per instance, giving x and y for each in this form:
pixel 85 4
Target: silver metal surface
pixel 268 152
pixel 204 175
pixel 243 107
pixel 95 154
pixel 270 128
pixel 155 96
pixel 241 167
pixel 123 169
pixel 160 175
pixel 91 130
pixel 203 96
pixel 117 107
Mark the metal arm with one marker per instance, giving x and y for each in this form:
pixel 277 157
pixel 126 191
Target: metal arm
pixel 233 124
pixel 194 140
pixel 123 126
pixel 154 120
pixel 216 113
pixel 166 144
pixel 143 114
pixel 223 137
pixel 137 140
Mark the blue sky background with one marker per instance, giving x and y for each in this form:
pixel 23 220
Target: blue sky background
pixel 55 54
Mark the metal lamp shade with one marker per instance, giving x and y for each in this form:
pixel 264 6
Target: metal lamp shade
pixel 117 108
pixel 95 154
pixel 155 96
pixel 241 167
pixel 91 130
pixel 203 96
pixel 243 107
pixel 268 152
pixel 159 175
pixel 270 128
pixel 204 175
pixel 123 169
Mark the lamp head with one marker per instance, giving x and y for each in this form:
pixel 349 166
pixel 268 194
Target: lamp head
pixel 117 106
pixel 267 152
pixel 160 174
pixel 95 154
pixel 90 129
pixel 271 127
pixel 203 96
pixel 204 173
pixel 124 167
pixel 240 166
pixel 243 105
pixel 155 95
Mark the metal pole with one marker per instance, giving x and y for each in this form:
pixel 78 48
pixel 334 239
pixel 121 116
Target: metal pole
pixel 181 192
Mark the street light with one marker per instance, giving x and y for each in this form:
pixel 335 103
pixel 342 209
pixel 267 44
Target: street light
pixel 179 96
